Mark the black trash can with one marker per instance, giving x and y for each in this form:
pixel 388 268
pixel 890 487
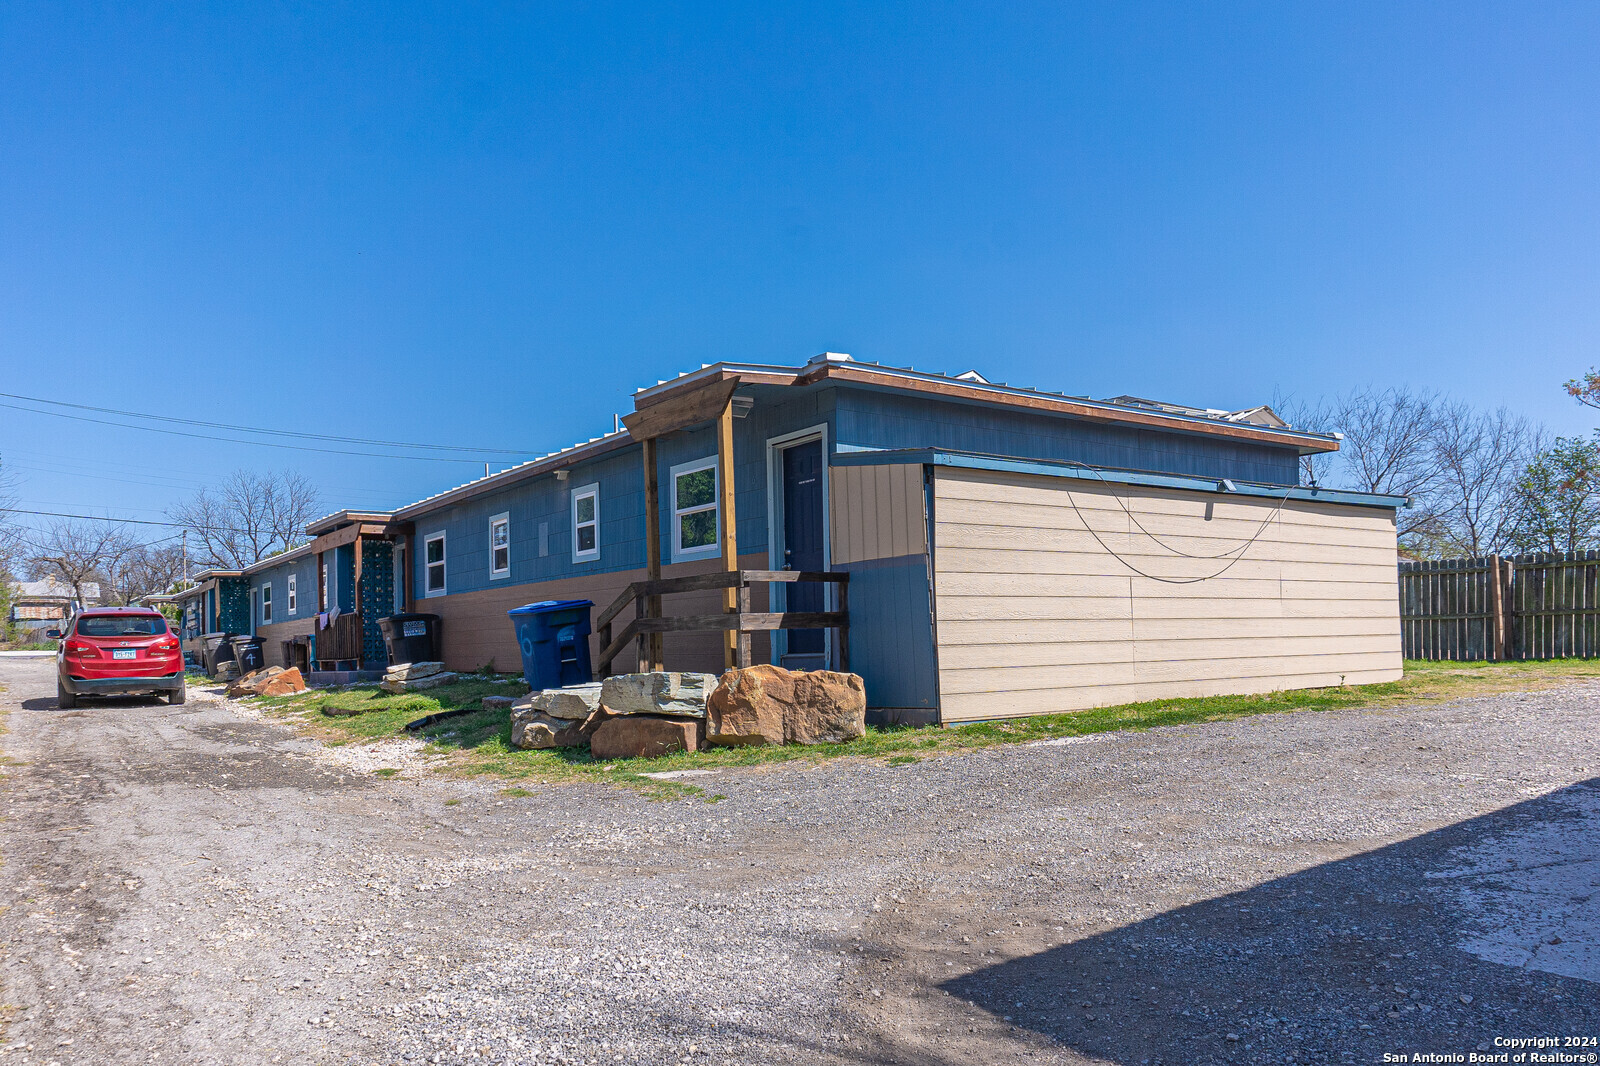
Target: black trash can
pixel 411 638
pixel 247 651
pixel 218 650
pixel 554 638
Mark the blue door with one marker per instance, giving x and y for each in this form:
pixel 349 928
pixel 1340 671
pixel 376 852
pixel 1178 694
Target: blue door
pixel 805 649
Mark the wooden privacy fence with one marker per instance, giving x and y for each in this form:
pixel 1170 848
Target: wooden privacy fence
pixel 1545 605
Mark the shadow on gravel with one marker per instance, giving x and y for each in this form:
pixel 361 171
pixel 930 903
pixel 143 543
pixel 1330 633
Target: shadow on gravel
pixel 1345 961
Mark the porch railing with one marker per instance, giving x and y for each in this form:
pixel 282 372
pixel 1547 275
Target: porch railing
pixel 742 620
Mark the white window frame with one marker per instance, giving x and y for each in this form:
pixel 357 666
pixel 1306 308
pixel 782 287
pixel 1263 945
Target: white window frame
pixel 503 518
pixel 591 491
pixel 293 599
pixel 266 603
pixel 443 564
pixel 714 549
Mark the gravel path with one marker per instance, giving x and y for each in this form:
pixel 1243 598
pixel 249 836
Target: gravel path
pixel 195 885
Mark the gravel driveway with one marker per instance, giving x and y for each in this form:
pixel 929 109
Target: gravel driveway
pixel 192 885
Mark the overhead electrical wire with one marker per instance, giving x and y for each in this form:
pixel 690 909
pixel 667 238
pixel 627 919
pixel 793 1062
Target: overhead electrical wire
pixel 1262 528
pixel 258 429
pixel 134 521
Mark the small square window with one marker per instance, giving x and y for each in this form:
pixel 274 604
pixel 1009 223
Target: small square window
pixel 696 517
pixel 586 523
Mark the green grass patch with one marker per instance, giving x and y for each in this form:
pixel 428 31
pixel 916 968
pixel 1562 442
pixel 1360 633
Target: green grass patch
pixel 452 802
pixel 480 744
pixel 385 771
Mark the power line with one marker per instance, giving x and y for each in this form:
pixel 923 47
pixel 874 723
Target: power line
pixel 272 432
pixel 137 522
pixel 234 440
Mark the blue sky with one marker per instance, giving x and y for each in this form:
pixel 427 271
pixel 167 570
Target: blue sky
pixel 484 225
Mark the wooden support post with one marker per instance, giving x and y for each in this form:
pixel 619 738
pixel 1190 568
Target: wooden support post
pixel 730 526
pixel 652 550
pixel 357 595
pixel 742 660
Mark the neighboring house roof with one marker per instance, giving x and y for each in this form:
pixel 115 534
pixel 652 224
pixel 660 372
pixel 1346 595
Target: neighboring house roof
pixel 51 589
pixel 1255 423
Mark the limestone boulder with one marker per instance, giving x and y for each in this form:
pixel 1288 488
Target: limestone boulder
pixel 249 684
pixel 534 729
pixel 770 705
pixel 642 736
pixel 575 702
pixel 497 703
pixel 284 683
pixel 416 684
pixel 410 671
pixel 665 693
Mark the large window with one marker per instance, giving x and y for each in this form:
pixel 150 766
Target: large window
pixel 586 523
pixel 696 523
pixel 434 556
pixel 266 604
pixel 293 600
pixel 500 545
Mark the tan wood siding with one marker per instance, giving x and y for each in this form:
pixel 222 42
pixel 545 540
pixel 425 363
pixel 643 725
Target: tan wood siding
pixel 476 631
pixel 876 512
pixel 273 636
pixel 1049 594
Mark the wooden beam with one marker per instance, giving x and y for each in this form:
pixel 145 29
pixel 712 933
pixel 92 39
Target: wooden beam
pixel 691 409
pixel 652 547
pixel 755 621
pixel 356 594
pixel 730 525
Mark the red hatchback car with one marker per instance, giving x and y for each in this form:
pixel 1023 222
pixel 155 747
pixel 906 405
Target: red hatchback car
pixel 118 651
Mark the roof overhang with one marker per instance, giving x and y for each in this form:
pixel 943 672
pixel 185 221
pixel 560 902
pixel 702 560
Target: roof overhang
pixel 343 518
pixel 838 369
pixel 1085 472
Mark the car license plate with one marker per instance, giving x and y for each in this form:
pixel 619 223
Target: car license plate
pixel 124 653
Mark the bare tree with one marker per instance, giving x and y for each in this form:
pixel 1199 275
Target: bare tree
pixel 248 517
pixel 12 545
pixel 1317 468
pixel 144 570
pixel 79 553
pixel 1482 456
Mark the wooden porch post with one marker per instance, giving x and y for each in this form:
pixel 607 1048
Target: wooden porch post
pixel 357 594
pixel 730 525
pixel 652 549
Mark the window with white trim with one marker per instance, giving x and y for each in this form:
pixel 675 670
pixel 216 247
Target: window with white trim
pixel 292 597
pixel 696 519
pixel 266 604
pixel 500 545
pixel 586 523
pixel 433 555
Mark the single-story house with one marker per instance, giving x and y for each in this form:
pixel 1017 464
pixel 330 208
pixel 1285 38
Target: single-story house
pixel 1009 551
pixel 47 604
pixel 316 606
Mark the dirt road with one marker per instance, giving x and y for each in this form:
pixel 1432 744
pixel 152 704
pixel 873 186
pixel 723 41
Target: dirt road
pixel 190 885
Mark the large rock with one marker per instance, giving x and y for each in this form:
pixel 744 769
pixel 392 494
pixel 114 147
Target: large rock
pixel 416 684
pixel 575 702
pixel 636 736
pixel 411 671
pixel 770 705
pixel 283 683
pixel 663 693
pixel 498 703
pixel 250 684
pixel 534 729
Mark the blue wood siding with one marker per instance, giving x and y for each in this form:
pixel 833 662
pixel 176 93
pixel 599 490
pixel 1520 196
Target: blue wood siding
pixel 855 418
pixel 891 632
pixel 868 419
pixel 304 569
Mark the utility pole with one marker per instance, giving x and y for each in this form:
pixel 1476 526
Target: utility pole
pixel 186 557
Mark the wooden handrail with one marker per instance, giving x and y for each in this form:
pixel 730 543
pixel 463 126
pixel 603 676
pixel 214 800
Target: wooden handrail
pixel 739 620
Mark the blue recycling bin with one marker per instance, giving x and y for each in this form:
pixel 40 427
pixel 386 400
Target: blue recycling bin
pixel 554 638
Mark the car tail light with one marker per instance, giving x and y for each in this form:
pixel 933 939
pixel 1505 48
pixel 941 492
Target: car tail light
pixel 165 646
pixel 82 649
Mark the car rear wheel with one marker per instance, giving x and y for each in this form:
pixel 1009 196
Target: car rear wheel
pixel 176 696
pixel 64 699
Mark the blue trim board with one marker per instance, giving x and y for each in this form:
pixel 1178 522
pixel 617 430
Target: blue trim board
pixel 1084 472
